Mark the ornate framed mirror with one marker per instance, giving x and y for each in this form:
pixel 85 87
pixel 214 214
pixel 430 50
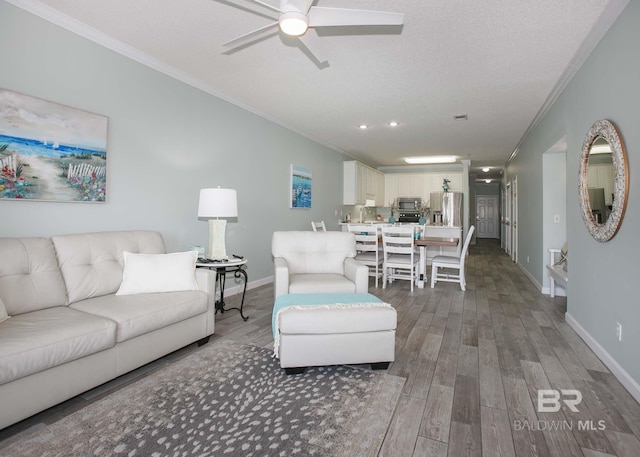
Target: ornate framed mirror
pixel 603 181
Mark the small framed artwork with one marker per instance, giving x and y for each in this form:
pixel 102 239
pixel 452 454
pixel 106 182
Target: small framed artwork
pixel 51 152
pixel 300 185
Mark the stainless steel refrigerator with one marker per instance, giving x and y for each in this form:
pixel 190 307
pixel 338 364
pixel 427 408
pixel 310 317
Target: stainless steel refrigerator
pixel 449 206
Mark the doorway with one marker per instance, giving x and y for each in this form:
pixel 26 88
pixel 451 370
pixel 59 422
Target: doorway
pixel 514 220
pixel 487 216
pixel 507 218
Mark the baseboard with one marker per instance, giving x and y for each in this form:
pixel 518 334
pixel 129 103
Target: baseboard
pixel 627 381
pixel 560 291
pixel 530 276
pixel 237 289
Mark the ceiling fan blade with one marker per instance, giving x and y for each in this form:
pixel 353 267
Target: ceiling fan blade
pixel 329 17
pixel 247 36
pixel 266 5
pixel 311 41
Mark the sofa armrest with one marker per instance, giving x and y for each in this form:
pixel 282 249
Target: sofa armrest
pixel 280 277
pixel 206 280
pixel 358 273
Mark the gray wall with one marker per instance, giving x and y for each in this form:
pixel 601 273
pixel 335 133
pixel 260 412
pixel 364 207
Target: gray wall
pixel 166 140
pixel 483 188
pixel 602 276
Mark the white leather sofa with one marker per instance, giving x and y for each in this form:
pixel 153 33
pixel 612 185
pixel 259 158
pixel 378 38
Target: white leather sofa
pixel 69 332
pixel 307 262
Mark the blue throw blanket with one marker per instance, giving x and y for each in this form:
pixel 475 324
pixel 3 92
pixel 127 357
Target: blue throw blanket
pixel 330 300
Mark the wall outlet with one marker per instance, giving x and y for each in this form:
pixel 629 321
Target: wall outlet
pixel 619 331
pixel 336 212
pixel 527 259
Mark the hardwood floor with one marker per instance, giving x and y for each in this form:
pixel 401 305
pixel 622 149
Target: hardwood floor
pixel 473 363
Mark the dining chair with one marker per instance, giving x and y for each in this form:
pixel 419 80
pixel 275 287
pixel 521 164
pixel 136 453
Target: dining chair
pixel 368 248
pixel 451 263
pixel 318 225
pixel 400 260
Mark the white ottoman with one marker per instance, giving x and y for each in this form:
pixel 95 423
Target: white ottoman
pixel 333 329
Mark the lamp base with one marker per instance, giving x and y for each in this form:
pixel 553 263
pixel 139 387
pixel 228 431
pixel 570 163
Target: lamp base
pixel 216 247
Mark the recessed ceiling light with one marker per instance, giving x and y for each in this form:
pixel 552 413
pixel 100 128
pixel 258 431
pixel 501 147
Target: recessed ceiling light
pixel 394 124
pixel 363 126
pixel 430 159
pixel 486 169
pixel 461 117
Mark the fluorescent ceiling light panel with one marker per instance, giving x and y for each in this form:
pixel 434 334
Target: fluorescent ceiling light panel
pixel 430 159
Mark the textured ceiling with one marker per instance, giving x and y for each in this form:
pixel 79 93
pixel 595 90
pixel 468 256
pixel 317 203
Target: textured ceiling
pixel 497 61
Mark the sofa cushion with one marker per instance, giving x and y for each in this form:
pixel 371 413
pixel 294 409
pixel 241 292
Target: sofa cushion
pixel 33 342
pixel 30 279
pixel 3 312
pixel 319 283
pixel 145 273
pixel 143 313
pixel 92 263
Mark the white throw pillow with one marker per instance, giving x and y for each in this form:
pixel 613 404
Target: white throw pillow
pixel 148 273
pixel 3 312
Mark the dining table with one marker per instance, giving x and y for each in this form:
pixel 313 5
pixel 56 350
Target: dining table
pixel 430 241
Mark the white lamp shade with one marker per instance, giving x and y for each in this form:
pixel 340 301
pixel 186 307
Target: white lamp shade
pixel 218 202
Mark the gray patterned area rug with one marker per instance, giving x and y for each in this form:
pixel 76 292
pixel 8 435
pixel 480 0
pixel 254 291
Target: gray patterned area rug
pixel 228 399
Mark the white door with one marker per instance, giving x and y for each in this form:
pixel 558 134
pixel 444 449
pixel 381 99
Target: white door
pixel 514 220
pixel 487 216
pixel 507 218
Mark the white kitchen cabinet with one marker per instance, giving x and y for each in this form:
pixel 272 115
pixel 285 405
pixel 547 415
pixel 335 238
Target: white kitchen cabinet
pixel 391 181
pixel 418 184
pixel 455 181
pixel 361 183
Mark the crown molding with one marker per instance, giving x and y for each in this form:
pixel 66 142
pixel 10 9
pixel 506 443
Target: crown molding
pixel 597 32
pixel 72 25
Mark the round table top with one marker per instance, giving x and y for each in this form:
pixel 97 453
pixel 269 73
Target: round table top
pixel 231 262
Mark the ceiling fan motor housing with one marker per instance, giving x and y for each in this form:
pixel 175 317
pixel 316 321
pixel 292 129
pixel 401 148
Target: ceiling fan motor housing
pixel 293 23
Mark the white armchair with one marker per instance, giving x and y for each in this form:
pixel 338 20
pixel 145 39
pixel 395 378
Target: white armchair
pixel 317 262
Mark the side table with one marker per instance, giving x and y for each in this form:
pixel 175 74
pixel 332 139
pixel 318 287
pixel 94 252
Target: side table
pixel 235 266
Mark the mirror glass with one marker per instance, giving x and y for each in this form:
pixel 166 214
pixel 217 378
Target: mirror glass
pixel 600 178
pixel 604 180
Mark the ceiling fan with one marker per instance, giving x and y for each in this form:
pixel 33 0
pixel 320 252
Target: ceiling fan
pixel 298 19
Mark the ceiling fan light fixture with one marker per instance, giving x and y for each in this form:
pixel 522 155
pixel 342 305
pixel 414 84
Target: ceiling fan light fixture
pixel 293 23
pixel 429 159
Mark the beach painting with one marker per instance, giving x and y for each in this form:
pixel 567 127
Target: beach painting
pixel 300 187
pixel 51 152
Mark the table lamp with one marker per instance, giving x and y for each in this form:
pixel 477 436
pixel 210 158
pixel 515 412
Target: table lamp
pixel 215 204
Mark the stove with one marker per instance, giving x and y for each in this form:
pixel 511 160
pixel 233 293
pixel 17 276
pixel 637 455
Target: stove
pixel 409 216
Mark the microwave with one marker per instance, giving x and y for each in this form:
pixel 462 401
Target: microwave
pixel 409 204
